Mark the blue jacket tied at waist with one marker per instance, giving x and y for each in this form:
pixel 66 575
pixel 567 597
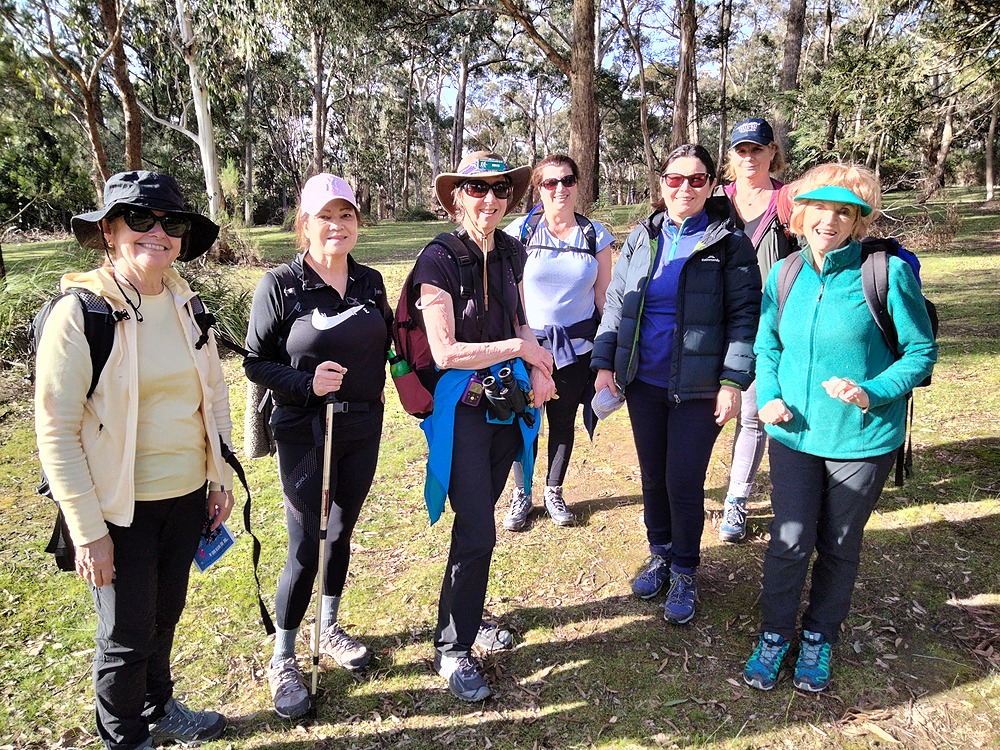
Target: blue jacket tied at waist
pixel 439 429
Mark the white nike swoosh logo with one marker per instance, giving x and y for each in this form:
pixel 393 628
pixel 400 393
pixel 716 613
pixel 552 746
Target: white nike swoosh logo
pixel 323 322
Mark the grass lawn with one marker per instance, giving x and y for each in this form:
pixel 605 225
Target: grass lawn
pixel 916 666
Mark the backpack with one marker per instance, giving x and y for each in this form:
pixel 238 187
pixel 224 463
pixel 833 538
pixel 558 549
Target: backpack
pixel 99 322
pixel 410 338
pixel 535 216
pixel 875 254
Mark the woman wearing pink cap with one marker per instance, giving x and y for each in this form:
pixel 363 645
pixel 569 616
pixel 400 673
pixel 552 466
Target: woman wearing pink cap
pixel 318 326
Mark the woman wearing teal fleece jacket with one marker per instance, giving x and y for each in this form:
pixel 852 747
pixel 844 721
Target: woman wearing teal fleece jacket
pixel 833 397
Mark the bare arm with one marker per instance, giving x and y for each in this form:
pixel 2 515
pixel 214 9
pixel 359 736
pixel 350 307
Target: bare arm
pixel 603 278
pixel 448 353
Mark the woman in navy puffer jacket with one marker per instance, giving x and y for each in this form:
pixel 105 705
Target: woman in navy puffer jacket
pixel 677 337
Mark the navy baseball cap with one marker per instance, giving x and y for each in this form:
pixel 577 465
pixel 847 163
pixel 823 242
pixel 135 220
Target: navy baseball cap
pixel 752 130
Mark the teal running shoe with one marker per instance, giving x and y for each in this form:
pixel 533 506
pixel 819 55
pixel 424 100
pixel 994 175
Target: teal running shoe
pixel 812 668
pixel 763 666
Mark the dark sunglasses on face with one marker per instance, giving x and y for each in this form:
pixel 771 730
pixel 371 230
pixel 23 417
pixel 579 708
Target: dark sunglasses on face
pixel 479 189
pixel 142 220
pixel 674 180
pixel 568 180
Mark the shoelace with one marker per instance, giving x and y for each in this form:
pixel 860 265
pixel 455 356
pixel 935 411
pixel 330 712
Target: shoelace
pixel 555 499
pixel 680 589
pixel 289 680
pixel 181 719
pixel 520 502
pixel 652 568
pixel 735 515
pixel 768 652
pixel 465 668
pixel 811 654
pixel 340 640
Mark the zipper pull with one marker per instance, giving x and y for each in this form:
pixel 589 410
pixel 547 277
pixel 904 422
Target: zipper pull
pixel 821 288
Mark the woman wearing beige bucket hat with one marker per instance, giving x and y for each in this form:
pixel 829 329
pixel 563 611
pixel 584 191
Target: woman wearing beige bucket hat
pixel 471 305
pixel 135 462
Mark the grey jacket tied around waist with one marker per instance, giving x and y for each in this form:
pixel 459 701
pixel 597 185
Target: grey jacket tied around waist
pixel 718 306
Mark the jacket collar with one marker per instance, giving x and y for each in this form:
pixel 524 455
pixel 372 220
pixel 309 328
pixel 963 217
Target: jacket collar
pixel 839 259
pixel 311 278
pixel 101 282
pixel 719 225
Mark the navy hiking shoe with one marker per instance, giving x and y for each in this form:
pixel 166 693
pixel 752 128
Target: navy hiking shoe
pixel 463 676
pixel 763 666
pixel 734 520
pixel 493 638
pixel 812 668
pixel 654 574
pixel 680 605
pixel 186 727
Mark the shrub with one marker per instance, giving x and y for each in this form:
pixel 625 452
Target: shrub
pixel 416 214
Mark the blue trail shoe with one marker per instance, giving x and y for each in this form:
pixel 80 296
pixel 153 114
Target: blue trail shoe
pixel 764 664
pixel 812 668
pixel 681 597
pixel 734 520
pixel 650 581
pixel 463 676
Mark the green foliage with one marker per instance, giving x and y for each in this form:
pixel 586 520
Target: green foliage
pixel 227 298
pixel 416 214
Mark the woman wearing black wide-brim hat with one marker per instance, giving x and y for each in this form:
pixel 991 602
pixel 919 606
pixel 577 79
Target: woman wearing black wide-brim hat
pixel 136 464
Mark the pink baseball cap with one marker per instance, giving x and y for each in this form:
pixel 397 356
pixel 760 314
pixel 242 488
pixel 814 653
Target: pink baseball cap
pixel 322 188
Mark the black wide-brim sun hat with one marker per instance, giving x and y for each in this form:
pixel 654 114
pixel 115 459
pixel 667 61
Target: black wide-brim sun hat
pixel 153 190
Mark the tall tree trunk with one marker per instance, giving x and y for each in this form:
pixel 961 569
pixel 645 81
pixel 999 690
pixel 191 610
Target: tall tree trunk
pixel 458 124
pixel 408 139
pixel 991 141
pixel 119 65
pixel 248 199
pixel 584 129
pixel 635 41
pixel 725 23
pixel 682 89
pixel 935 177
pixel 693 136
pixel 319 108
pixel 202 110
pixel 795 23
pixel 93 116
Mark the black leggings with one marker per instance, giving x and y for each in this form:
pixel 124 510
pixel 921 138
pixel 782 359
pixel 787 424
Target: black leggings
pixel 572 384
pixel 300 467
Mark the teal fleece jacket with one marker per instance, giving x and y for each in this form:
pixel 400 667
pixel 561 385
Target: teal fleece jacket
pixel 826 330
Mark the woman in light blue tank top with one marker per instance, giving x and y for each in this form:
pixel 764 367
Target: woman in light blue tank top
pixel 566 274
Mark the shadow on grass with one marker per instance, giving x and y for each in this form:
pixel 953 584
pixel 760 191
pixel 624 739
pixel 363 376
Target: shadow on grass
pixel 609 670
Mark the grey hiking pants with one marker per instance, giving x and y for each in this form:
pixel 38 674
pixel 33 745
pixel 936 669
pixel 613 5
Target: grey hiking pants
pixel 748 445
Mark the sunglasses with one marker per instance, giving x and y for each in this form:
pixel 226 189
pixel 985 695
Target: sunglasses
pixel 479 189
pixel 697 180
pixel 142 220
pixel 567 180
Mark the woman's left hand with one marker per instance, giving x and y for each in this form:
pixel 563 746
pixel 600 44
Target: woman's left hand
pixel 847 391
pixel 543 387
pixel 219 506
pixel 727 404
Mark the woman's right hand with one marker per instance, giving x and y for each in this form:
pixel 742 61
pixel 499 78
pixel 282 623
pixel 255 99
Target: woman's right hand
pixel 605 379
pixel 774 412
pixel 328 378
pixel 95 562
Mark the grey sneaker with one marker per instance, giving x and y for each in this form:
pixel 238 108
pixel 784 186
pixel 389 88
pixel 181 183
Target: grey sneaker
pixel 288 689
pixel 492 638
pixel 555 506
pixel 463 677
pixel 520 508
pixel 339 646
pixel 186 727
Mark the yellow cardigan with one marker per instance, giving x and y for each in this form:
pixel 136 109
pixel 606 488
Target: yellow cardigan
pixel 87 446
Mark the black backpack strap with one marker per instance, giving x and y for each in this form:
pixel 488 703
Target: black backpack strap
pixel 99 328
pixel 786 277
pixel 205 321
pixel 875 281
pixel 589 232
pixel 234 462
pixel 467 276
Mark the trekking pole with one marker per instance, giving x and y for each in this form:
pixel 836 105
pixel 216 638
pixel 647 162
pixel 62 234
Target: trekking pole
pixel 324 515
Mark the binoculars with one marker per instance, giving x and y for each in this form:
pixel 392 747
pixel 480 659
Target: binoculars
pixel 506 397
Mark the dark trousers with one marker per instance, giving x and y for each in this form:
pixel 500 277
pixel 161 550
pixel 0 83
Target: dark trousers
pixel 674 444
pixel 572 384
pixel 137 614
pixel 481 462
pixel 300 466
pixel 824 505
